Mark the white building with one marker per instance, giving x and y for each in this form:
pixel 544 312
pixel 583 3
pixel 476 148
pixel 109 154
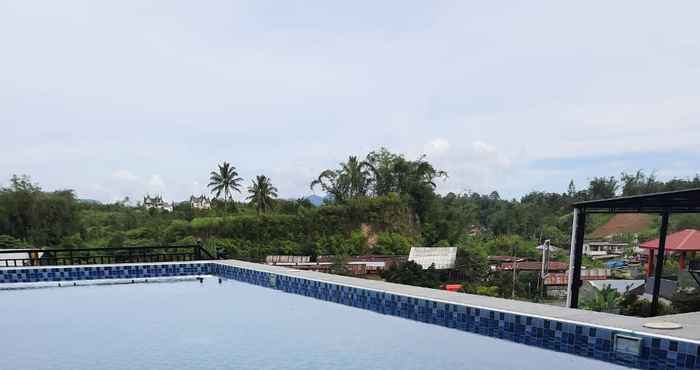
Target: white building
pixel 157 202
pixel 200 202
pixel 604 250
pixel 442 258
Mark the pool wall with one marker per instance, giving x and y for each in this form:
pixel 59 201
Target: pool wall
pixel 93 272
pixel 656 352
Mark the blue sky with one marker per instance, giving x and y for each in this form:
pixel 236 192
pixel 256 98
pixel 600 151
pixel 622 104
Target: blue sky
pixel 124 98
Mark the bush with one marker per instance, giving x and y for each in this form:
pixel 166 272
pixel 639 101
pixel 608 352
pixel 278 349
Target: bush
pixel 411 273
pixel 491 291
pixel 8 242
pixel 631 305
pixel 686 301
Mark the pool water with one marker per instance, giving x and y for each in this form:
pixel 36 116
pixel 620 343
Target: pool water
pixel 233 325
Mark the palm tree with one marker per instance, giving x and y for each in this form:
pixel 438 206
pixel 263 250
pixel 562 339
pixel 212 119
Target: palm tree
pixel 351 180
pixel 357 176
pixel 604 300
pixel 261 193
pixel 225 180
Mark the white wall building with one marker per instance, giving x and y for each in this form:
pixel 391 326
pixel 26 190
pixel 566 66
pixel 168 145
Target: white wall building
pixel 200 202
pixel 602 250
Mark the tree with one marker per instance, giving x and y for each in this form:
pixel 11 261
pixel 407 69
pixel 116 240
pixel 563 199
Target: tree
pixel 351 180
pixel 411 273
pixel 262 193
pixel 225 180
pixel 604 300
pixel 602 187
pixel 8 242
pixel 571 192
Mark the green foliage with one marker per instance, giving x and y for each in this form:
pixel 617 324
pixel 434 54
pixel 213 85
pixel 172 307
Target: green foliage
pixel 411 273
pixel 472 262
pixel 686 301
pixel 340 265
pixel 392 243
pixel 602 187
pixel 224 180
pixel 604 300
pixel 491 291
pixel 42 218
pixel 262 193
pixel 8 242
pixel 631 305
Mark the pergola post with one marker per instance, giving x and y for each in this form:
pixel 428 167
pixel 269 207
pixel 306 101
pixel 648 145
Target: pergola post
pixel 659 268
pixel 577 232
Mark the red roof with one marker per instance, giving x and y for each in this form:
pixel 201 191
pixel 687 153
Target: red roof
pixel 534 266
pixel 684 240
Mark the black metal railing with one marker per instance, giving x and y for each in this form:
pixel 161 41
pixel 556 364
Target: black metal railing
pixel 694 265
pixel 107 255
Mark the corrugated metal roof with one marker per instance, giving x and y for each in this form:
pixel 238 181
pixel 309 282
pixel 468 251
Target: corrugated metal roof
pixel 442 257
pixel 534 266
pixel 684 240
pixel 619 285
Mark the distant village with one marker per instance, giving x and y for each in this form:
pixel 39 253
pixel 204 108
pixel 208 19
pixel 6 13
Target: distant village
pixel 157 202
pixel 627 267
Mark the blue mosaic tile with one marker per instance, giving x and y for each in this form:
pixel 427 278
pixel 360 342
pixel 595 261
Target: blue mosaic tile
pixel 32 275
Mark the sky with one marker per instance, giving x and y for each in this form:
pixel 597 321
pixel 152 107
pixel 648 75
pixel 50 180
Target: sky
pixel 125 98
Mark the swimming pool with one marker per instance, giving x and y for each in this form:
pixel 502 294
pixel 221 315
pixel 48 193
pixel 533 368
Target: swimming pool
pixel 461 324
pixel 233 325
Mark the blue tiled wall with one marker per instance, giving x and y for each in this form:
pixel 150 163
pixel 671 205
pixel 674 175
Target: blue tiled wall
pixel 587 341
pixel 31 275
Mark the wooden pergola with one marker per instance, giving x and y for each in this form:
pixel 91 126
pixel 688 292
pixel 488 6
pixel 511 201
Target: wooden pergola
pixel 663 204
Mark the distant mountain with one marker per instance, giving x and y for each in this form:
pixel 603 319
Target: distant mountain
pixel 316 200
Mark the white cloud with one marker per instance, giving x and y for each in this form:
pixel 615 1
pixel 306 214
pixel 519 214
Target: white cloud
pixel 275 92
pixel 124 175
pixel 437 146
pixel 156 184
pixel 490 155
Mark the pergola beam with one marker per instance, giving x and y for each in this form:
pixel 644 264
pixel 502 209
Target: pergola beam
pixel 665 203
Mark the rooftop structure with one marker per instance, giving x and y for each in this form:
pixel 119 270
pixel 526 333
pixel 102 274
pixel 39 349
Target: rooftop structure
pixel 664 204
pixel 681 242
pixel 442 257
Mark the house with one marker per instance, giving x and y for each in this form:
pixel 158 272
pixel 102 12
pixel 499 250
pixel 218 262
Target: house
pixel 553 266
pixel 683 243
pixel 157 202
pixel 200 202
pixel 603 249
pixel 556 283
pixel 287 260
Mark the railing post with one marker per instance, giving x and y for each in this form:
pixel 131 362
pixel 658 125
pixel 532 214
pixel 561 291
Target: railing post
pixel 659 268
pixel 578 228
pixel 198 251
